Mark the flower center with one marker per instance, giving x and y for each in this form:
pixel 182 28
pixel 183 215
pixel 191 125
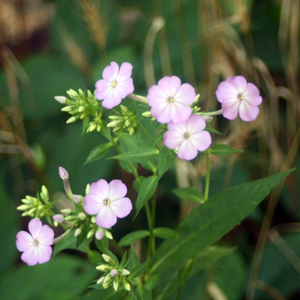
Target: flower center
pixel 106 202
pixel 171 100
pixel 114 83
pixel 186 135
pixel 35 242
pixel 241 97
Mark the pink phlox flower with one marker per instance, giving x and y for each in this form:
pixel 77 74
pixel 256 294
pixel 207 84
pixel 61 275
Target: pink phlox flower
pixel 108 201
pixel 35 245
pixel 170 100
pixel 189 136
pixel 238 97
pixel 116 84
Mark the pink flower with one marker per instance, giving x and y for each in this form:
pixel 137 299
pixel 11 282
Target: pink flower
pixel 239 97
pixel 116 84
pixel 108 202
pixel 169 100
pixel 188 136
pixel 36 246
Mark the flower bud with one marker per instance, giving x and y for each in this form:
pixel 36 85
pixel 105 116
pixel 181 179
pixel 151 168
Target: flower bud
pixel 71 120
pixel 112 124
pixel 77 198
pixel 127 286
pixel 108 235
pixel 116 283
pixel 113 272
pixel 60 99
pixel 90 233
pixel 108 259
pixel 101 280
pixel 93 219
pixel 58 218
pixel 66 211
pixel 63 173
pixel 99 234
pixel 77 232
pixel 44 194
pixel 103 268
pixel 125 272
pixel 22 207
pixel 147 114
pixel 67 108
pixel 82 216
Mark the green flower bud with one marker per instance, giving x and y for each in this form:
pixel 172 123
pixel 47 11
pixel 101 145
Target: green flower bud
pixel 103 268
pixel 108 259
pixel 77 232
pixel 71 120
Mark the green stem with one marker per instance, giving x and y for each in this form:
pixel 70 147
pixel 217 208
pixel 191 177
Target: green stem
pixel 118 247
pixel 153 210
pixel 138 98
pixel 207 175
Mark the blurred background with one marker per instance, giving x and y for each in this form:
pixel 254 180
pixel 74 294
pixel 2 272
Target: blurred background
pixel 48 47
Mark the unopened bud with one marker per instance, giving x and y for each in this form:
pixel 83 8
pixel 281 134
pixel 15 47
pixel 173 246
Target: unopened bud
pixel 87 189
pixel 58 218
pixel 44 194
pixel 113 272
pixel 125 272
pixel 112 124
pixel 101 280
pixel 71 120
pixel 81 109
pixel 60 99
pixel 108 259
pixel 99 235
pixel 77 198
pixel 63 173
pixel 147 114
pixel 90 234
pixel 108 235
pixel 82 216
pixel 22 207
pixel 67 108
pixel 103 268
pixel 93 219
pixel 127 286
pixel 116 284
pixel 77 232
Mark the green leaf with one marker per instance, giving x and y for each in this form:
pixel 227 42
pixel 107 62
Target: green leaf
pixel 138 155
pixel 62 277
pixel 133 236
pixel 189 194
pixel 165 233
pixel 166 159
pixel 207 223
pixel 146 191
pixel 94 257
pixel 212 130
pixel 222 150
pixel 98 152
pixel 142 293
pixel 133 260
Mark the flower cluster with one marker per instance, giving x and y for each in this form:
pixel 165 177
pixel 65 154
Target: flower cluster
pixel 114 274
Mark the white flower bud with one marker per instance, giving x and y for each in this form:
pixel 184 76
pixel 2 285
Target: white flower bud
pixel 82 216
pixel 101 280
pixel 103 268
pixel 99 234
pixel 113 272
pixel 63 173
pixel 22 207
pixel 107 259
pixel 71 120
pixel 125 272
pixel 77 232
pixel 60 99
pixel 66 211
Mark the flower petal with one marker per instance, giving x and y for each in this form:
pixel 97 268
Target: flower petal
pixel 100 188
pixel 46 236
pixel 106 217
pixel 226 90
pixel 112 99
pixel 125 87
pixel 241 83
pixel 172 86
pixel 125 71
pixel 186 150
pixel 121 207
pixel 195 124
pixel 92 204
pixel 201 140
pixel 180 112
pixel 156 95
pixel 35 227
pixel 111 71
pixel 24 241
pixel 162 112
pixel 102 89
pixel 186 94
pixel 172 139
pixel 117 190
pixel 30 256
pixel 248 112
pixel 230 108
pixel 251 95
pixel 44 253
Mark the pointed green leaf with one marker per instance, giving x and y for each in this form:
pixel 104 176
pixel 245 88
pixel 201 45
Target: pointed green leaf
pixel 146 191
pixel 142 293
pixel 222 150
pixel 138 155
pixel 133 236
pixel 212 130
pixel 166 159
pixel 189 194
pixel 165 233
pixel 98 152
pixel 207 223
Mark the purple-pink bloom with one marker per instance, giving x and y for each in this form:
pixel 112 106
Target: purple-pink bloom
pixel 238 97
pixel 188 136
pixel 35 245
pixel 170 100
pixel 108 201
pixel 116 84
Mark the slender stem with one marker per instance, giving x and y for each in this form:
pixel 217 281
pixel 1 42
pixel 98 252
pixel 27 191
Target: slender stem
pixel 207 176
pixel 59 238
pixel 153 210
pixel 118 247
pixel 149 219
pixel 213 113
pixel 139 98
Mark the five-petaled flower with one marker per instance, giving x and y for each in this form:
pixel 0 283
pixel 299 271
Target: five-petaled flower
pixel 116 84
pixel 238 97
pixel 36 245
pixel 108 201
pixel 188 136
pixel 169 100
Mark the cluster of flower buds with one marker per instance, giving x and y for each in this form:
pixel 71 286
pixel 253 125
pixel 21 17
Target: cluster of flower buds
pixel 124 121
pixel 82 106
pixel 36 207
pixel 114 275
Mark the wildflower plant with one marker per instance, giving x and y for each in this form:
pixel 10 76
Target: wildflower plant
pixel 182 132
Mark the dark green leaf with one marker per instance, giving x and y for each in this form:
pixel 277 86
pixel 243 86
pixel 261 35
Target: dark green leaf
pixel 133 236
pixel 189 194
pixel 165 233
pixel 212 130
pixel 138 155
pixel 98 152
pixel 146 191
pixel 222 149
pixel 142 293
pixel 207 223
pixel 166 159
